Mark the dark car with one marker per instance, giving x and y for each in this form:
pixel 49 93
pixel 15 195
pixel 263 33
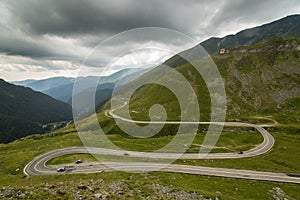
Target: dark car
pixel 240 152
pixel 62 169
pixel 126 154
pixel 78 161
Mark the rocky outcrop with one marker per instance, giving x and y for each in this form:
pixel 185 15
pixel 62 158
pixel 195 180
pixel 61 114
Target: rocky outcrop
pixel 277 44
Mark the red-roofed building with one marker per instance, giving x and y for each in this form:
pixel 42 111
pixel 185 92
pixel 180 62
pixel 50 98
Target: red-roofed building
pixel 223 50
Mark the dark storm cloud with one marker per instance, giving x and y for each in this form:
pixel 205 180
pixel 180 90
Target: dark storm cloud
pixel 91 21
pixel 69 29
pixel 69 17
pixel 253 12
pixel 23 48
pixel 12 44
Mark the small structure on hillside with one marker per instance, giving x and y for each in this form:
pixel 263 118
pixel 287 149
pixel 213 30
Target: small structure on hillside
pixel 223 50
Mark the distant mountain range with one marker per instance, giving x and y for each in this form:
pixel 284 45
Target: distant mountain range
pixel 288 27
pixel 26 108
pixel 45 84
pixel 61 88
pixel 285 27
pixel 24 111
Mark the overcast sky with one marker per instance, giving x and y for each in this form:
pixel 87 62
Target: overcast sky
pixel 47 38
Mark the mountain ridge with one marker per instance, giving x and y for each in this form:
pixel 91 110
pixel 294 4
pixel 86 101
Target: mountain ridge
pixel 23 111
pixel 285 27
pixel 61 88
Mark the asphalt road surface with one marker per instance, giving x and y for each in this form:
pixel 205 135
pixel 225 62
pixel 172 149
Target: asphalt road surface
pixel 38 165
pixel 263 148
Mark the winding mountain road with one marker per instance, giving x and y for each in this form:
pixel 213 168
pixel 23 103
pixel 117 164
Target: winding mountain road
pixel 38 165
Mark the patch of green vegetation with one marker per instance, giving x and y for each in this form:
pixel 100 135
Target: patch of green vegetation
pixel 276 41
pixel 245 63
pixel 239 189
pixel 257 120
pixel 231 139
pixel 228 142
pixel 71 158
pixel 90 159
pixel 282 158
pixel 290 111
pixel 139 109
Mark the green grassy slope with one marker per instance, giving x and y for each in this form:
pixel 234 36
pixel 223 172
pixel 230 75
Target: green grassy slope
pixel 263 79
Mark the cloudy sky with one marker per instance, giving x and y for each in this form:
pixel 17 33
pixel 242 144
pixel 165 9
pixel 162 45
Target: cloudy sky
pixel 47 38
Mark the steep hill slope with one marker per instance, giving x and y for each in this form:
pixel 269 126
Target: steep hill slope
pixel 25 103
pixel 285 27
pixel 262 79
pixel 22 110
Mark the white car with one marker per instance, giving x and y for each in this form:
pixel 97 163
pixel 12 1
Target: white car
pixel 78 161
pixel 62 169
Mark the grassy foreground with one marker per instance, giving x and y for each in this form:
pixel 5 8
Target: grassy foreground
pixel 139 186
pixel 284 157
